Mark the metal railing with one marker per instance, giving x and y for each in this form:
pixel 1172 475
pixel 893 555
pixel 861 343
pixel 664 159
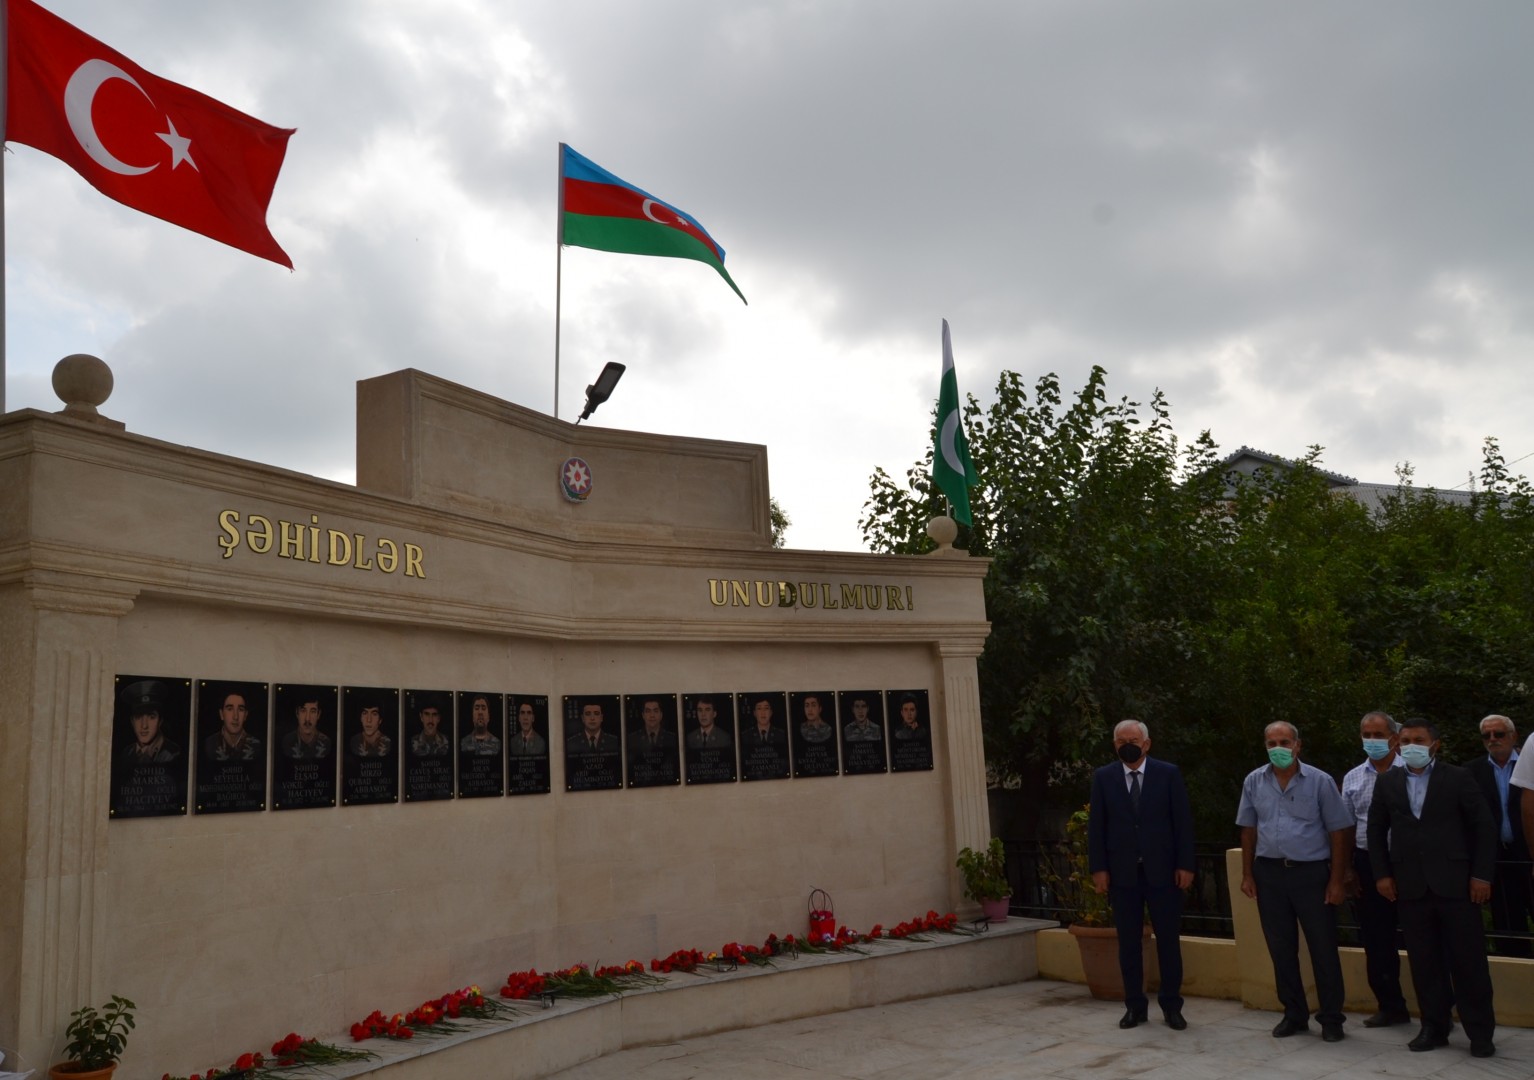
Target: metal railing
pixel 1206 912
pixel 1207 909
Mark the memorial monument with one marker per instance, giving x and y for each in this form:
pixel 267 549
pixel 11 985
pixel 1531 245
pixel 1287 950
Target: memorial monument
pixel 279 748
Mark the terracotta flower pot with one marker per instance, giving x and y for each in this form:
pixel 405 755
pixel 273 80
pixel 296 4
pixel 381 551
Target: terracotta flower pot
pixel 1099 947
pixel 67 1070
pixel 996 910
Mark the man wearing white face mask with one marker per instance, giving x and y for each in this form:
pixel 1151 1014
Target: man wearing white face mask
pixel 1376 916
pixel 1294 856
pixel 1433 845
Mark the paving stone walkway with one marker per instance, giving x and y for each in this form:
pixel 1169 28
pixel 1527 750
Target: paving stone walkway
pixel 1050 1030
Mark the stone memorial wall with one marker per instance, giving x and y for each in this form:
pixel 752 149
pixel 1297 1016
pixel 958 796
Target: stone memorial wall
pixel 280 749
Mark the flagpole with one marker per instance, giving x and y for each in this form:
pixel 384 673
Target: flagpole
pixel 559 268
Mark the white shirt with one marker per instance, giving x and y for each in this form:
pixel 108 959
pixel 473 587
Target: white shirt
pixel 1523 771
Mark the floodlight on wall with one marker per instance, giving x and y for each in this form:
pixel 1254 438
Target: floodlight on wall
pixel 602 389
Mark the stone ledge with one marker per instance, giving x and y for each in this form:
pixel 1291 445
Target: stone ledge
pixel 545 1041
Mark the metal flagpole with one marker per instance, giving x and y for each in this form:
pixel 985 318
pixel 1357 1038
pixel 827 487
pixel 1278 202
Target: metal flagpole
pixel 559 266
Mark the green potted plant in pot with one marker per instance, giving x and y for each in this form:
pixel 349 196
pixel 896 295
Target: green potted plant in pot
pixel 96 1040
pixel 1086 911
pixel 985 878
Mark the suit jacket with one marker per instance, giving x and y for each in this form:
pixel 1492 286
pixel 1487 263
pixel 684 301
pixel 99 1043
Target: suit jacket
pixel 1454 840
pixel 1160 834
pixel 1486 779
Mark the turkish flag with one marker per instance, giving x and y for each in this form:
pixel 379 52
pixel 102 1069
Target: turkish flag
pixel 149 143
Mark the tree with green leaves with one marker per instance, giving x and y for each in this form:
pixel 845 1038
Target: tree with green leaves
pixel 1132 577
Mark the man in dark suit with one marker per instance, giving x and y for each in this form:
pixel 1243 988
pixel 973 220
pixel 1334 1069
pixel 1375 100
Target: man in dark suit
pixel 1432 846
pixel 1510 899
pixel 1140 852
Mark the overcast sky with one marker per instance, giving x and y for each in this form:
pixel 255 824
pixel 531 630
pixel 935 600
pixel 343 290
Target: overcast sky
pixel 1307 223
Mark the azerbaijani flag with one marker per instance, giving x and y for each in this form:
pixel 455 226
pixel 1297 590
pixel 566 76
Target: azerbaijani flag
pixel 598 210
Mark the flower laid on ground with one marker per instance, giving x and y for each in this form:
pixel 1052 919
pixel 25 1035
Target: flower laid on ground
pixel 377 1026
pixel 928 923
pixel 581 981
pixel 435 1016
pixel 290 1053
pixel 681 960
pixel 521 985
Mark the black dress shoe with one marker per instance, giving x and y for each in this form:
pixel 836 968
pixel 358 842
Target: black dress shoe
pixel 1388 1018
pixel 1174 1019
pixel 1331 1032
pixel 1132 1018
pixel 1428 1039
pixel 1482 1049
pixel 1287 1027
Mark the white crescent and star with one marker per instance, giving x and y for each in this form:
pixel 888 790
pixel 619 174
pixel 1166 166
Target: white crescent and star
pixel 945 442
pixel 647 208
pixel 80 96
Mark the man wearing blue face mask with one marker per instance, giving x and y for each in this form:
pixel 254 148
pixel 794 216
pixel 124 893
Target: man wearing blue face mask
pixel 1294 857
pixel 1376 916
pixel 1432 844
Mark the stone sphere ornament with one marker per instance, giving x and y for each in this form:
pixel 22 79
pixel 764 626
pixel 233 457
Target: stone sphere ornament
pixel 82 382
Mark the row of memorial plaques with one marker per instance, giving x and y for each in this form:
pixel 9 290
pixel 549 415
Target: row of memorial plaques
pixel 320 730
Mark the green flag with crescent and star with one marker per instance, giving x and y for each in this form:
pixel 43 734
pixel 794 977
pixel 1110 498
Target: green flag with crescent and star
pixel 952 470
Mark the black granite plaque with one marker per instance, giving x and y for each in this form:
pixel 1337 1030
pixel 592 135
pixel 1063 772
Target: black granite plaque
pixel 910 731
pixel 860 716
pixel 813 729
pixel 527 745
pixel 428 745
pixel 150 726
pixel 231 746
pixel 370 729
pixel 593 754
pixel 481 746
pixel 649 721
pixel 708 740
pixel 761 735
pixel 304 760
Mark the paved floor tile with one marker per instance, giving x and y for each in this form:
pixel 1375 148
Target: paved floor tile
pixel 1042 1030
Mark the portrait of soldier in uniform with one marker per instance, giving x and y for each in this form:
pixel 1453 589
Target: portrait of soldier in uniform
pixel 861 728
pixel 651 734
pixel 371 740
pixel 525 741
pixel 592 739
pixel 480 741
pixel 306 741
pixel 708 734
pixel 429 741
pixel 762 731
pixel 813 728
pixel 910 726
pixel 231 742
pixel 144 702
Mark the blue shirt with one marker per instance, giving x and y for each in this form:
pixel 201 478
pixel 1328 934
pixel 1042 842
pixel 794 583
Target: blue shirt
pixel 1294 822
pixel 1416 787
pixel 1504 773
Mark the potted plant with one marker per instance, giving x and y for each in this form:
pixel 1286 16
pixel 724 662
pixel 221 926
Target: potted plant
pixel 1086 911
pixel 985 878
pixel 96 1041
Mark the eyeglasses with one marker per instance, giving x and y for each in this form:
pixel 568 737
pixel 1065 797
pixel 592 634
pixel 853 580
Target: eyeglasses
pixel 1490 736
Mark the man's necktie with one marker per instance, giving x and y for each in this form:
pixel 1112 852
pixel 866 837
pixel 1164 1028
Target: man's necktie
pixel 1134 789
